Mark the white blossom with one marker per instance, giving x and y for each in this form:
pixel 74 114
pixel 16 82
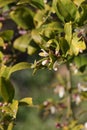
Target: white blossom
pixel 44 62
pixel 55 66
pixel 60 90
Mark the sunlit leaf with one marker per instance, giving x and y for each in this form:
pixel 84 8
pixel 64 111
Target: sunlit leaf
pixel 26 101
pixel 31 50
pixel 22 42
pixel 77 45
pixel 4 71
pixel 5 2
pixel 19 66
pixel 68 32
pixel 10 126
pixel 1 42
pixel 14 108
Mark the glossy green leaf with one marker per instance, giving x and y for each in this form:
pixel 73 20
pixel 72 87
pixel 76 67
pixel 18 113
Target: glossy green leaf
pixel 22 42
pixel 26 101
pixel 5 2
pixel 23 16
pixel 7 35
pixel 6 90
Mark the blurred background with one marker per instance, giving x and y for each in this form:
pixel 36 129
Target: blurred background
pixel 39 87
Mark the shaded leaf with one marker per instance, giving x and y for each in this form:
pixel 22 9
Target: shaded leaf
pixel 7 35
pixel 64 45
pixel 6 90
pixel 80 60
pixel 23 16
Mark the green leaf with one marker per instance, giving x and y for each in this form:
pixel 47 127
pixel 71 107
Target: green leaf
pixel 7 35
pixel 80 60
pixel 64 45
pixel 4 70
pixel 14 108
pixel 1 127
pixel 23 16
pixel 17 67
pixel 77 45
pixel 10 126
pixel 57 8
pixel 66 10
pixel 1 42
pixel 6 90
pixel 70 8
pixel 52 28
pixel 31 50
pixel 36 36
pixel 83 14
pixel 78 2
pixel 35 3
pixel 41 16
pixel 68 32
pixel 22 42
pixel 5 2
pixel 26 101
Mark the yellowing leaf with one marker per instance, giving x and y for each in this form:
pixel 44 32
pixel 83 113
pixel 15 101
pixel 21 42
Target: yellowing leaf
pixel 68 32
pixel 1 42
pixel 77 45
pixel 26 101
